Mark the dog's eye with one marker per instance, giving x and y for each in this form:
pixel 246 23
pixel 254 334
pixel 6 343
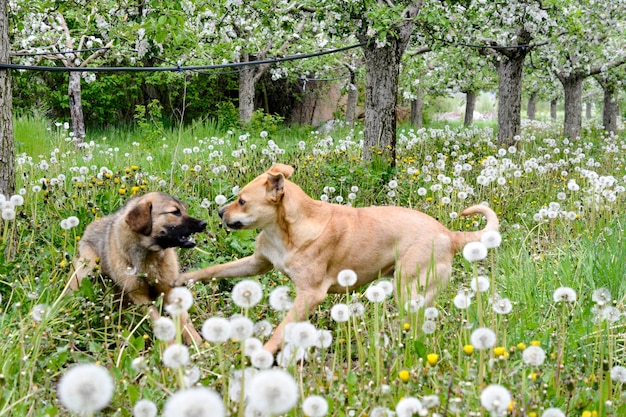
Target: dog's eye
pixel 241 201
pixel 177 213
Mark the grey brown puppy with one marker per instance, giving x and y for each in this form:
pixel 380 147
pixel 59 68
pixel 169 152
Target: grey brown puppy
pixel 310 241
pixel 134 246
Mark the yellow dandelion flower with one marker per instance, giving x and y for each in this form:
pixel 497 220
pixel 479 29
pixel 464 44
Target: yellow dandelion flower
pixel 499 351
pixel 122 191
pixel 432 359
pixel 406 326
pixel 532 414
pixel 535 343
pixel 134 167
pixel 403 375
pixel 134 190
pixel 108 175
pixel 521 346
pixel 468 349
pixel 63 263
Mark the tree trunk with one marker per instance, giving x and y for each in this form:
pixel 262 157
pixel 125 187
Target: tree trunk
pixel 588 108
pixel 353 98
pixel 553 107
pixel 470 105
pixel 7 167
pixel 510 70
pixel 573 87
pixel 531 109
pixel 76 108
pixel 417 110
pixel 610 108
pixel 246 94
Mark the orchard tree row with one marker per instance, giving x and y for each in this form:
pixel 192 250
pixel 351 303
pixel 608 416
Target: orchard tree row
pixel 546 48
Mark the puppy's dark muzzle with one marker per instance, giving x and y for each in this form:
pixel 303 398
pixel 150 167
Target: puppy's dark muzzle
pixel 178 236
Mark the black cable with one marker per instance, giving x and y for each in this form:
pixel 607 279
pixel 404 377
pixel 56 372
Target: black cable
pixel 177 68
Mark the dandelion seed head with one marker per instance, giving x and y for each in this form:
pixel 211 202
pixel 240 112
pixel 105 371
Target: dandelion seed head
pixel 247 293
pixel 534 356
pixel 240 328
pixel 8 214
pixel 479 284
pixel 431 313
pixel 375 293
pixel 346 278
pixel 302 334
pixel 179 301
pixel 462 300
pixel 408 406
pixel 216 329
pixel 85 388
pixel 564 294
pixel 491 239
pixel 475 251
pixel 340 312
pixel 145 408
pixel 280 300
pixel 356 309
pixel 273 391
pixel 262 328
pixel 39 312
pixel 601 296
pixel 618 374
pixel 429 327
pixel 315 406
pixel 164 329
pixel 502 306
pixel 194 402
pixel 387 286
pixel 553 412
pixel 495 398
pixel 483 338
pixel 220 200
pixel 251 345
pixel 324 338
pixel 175 356
pixel 415 304
pixel 262 359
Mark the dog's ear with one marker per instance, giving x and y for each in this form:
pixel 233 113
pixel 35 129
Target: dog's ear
pixel 275 186
pixel 286 170
pixel 139 218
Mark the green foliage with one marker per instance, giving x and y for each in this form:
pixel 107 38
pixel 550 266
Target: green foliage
pixel 355 373
pixel 150 120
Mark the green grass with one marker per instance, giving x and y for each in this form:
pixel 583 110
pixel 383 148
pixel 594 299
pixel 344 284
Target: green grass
pixel 202 161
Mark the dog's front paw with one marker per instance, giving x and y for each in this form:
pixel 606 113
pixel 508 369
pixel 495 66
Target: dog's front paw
pixel 183 279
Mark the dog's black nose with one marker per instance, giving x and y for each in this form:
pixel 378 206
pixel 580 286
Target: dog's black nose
pixel 202 225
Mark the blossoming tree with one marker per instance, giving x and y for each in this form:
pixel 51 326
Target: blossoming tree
pixel 7 169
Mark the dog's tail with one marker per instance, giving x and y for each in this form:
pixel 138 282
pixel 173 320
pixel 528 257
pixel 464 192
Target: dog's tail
pixel 460 239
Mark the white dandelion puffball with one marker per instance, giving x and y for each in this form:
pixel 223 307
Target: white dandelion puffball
pixel 179 300
pixel 145 408
pixel 408 407
pixel 495 398
pixel 601 296
pixel 273 391
pixel 280 300
pixel 375 293
pixel 483 338
pixel 176 356
pixel 315 406
pixel 553 412
pixel 618 374
pixel 479 284
pixel 387 286
pixel 39 312
pixel 491 239
pixel 194 402
pixel 251 345
pixel 502 306
pixel 324 339
pixel 340 312
pixel 247 293
pixel 262 328
pixel 475 251
pixel 85 388
pixel 431 313
pixel 346 278
pixel 462 300
pixel 240 328
pixel 564 294
pixel 534 356
pixel 415 304
pixel 302 334
pixel 262 359
pixel 216 329
pixel 220 200
pixel 164 329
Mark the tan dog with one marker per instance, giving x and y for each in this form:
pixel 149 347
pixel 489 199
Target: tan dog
pixel 135 248
pixel 311 241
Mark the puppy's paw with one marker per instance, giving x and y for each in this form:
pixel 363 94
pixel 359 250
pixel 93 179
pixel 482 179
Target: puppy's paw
pixel 182 280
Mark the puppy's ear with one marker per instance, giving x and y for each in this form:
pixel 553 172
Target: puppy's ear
pixel 286 170
pixel 139 218
pixel 275 186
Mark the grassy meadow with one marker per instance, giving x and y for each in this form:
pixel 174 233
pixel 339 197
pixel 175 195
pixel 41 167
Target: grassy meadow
pixel 557 281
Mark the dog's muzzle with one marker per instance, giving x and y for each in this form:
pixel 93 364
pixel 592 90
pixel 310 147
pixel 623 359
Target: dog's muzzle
pixel 178 236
